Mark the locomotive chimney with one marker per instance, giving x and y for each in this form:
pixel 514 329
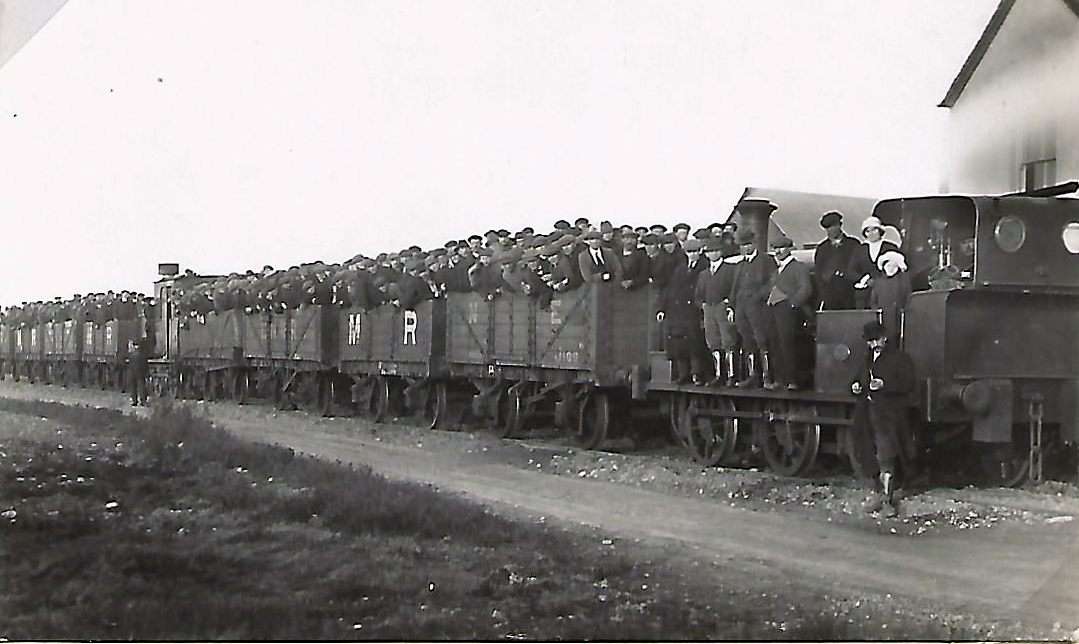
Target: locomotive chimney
pixel 755 213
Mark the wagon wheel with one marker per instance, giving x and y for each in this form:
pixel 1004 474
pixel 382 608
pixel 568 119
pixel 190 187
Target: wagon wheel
pixel 709 439
pixel 789 446
pixel 860 451
pixel 511 412
pixel 282 398
pixel 436 405
pixel 594 420
pixel 327 389
pixel 241 386
pixel 382 400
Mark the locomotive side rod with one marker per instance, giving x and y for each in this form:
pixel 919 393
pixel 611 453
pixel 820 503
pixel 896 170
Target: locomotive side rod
pixel 756 415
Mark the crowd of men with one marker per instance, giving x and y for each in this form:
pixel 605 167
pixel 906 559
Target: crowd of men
pixel 718 297
pixel 96 307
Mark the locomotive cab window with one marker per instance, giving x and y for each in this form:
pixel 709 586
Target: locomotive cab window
pixel 1070 235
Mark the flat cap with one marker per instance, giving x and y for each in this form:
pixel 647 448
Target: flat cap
pixel 782 241
pixel 692 246
pixel 681 226
pixel 831 218
pixel 745 236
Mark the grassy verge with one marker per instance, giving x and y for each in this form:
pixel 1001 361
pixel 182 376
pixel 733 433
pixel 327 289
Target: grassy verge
pixel 169 528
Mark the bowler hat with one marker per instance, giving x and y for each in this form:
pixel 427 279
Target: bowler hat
pixel 831 218
pixel 872 330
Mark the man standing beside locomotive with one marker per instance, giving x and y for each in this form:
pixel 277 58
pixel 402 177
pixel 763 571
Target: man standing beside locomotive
pixel 883 387
pixel 830 261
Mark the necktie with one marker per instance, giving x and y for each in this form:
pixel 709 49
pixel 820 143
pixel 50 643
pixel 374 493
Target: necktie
pixel 598 256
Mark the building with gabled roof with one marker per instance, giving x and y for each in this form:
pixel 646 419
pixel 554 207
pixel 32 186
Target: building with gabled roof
pixel 1013 120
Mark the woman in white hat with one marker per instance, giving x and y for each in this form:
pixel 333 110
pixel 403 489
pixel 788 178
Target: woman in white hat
pixel 890 291
pixel 863 263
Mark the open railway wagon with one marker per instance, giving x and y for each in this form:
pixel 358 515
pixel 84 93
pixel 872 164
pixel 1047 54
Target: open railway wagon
pixel 7 355
pixel 62 351
pixel 579 363
pixel 105 350
pixel 391 360
pixel 291 354
pixel 29 357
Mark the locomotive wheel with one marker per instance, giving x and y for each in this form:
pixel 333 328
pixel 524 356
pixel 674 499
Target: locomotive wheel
pixel 594 421
pixel 241 386
pixel 789 447
pixel 679 405
pixel 709 440
pixel 437 405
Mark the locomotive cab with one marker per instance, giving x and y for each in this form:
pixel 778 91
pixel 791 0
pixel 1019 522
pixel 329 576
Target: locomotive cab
pixel 993 324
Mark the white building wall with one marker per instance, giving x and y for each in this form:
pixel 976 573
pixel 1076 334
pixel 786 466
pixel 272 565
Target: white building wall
pixel 1021 104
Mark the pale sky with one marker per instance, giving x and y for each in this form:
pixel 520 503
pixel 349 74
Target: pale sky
pixel 225 135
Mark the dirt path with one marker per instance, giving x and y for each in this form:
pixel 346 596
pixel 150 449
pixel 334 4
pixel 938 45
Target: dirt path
pixel 1027 572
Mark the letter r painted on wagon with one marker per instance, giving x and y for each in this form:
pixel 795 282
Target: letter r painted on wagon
pixel 411 322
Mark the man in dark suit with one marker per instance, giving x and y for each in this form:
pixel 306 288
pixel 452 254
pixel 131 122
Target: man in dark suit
pixel 685 334
pixel 830 261
pixel 566 274
pixel 598 263
pixel 634 262
pixel 750 297
pixel 883 387
pixel 792 288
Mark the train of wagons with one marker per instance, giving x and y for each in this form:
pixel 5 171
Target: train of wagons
pixel 997 360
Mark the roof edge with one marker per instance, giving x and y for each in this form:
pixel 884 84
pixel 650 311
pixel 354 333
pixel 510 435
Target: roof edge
pixel 978 53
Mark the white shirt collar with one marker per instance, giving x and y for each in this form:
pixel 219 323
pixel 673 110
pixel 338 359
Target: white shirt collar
pixel 783 264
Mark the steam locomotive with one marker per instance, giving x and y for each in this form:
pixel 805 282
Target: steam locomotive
pixel 992 327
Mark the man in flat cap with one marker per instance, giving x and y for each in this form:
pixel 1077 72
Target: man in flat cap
pixel 713 295
pixel 883 386
pixel 566 274
pixel 751 288
pixel 792 288
pixel 634 262
pixel 597 263
pixel 681 232
pixel 830 261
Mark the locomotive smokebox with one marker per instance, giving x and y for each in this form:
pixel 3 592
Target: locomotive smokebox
pixel 168 270
pixel 756 213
